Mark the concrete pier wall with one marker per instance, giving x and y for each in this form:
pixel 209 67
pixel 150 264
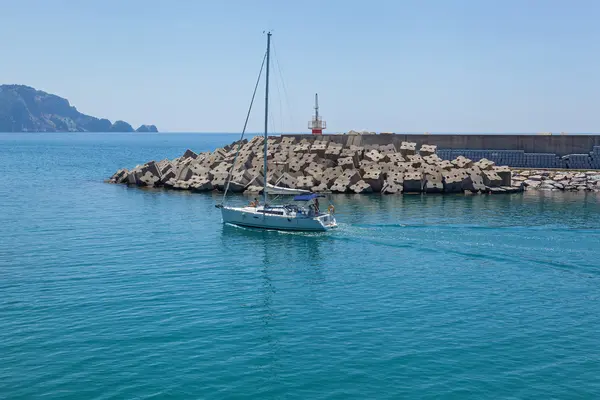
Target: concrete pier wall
pixel 560 145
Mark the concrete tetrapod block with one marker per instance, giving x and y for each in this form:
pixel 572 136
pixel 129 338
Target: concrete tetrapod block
pixel 189 154
pixel 309 157
pixel 386 167
pixel 147 179
pixel 415 160
pixel 365 164
pixel 413 182
pixel 491 178
pixel 340 185
pixel 170 183
pixel 181 185
pixel 198 169
pixel 319 147
pixel 333 153
pixel 396 176
pixel 369 167
pixel 331 174
pixel 184 173
pixel 352 176
pixel 202 184
pixel 433 183
pixel 287 180
pixel 396 158
pixel 314 169
pixel 296 164
pixel 432 159
pixel 427 149
pixel 374 178
pixel 445 164
pixel 302 148
pixel 361 187
pixel 505 174
pixel 462 162
pixel 243 177
pixel 356 156
pixel 390 187
pixel 321 188
pixel 166 175
pixel 405 166
pixel 408 148
pixel 373 156
pixel 346 163
pixel 473 182
pixel 275 176
pixel 452 180
pixel 219 180
pixel 325 162
pixel 485 164
pixel 120 176
pixel 429 169
pixel 305 182
pixel 358 149
pixel 387 149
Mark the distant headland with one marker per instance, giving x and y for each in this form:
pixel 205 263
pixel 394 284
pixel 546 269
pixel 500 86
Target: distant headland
pixel 25 109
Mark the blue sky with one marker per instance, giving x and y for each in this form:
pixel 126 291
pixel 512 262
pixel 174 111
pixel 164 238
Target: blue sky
pixel 403 66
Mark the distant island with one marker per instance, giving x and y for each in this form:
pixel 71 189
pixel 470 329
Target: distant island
pixel 25 109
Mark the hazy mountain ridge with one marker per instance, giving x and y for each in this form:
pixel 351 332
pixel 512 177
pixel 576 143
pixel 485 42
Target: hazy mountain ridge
pixel 25 109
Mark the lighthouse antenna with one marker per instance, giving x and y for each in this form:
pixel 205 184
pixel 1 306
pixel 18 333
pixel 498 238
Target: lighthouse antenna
pixel 317 106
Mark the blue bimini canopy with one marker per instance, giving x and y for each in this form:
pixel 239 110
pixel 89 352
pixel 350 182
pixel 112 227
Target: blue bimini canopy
pixel 307 197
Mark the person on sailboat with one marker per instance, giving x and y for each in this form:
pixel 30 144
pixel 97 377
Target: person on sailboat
pixel 317 206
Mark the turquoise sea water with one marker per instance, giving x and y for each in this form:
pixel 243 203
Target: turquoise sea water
pixel 115 292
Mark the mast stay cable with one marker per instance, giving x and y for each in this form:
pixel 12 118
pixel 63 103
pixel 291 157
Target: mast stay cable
pixel 243 130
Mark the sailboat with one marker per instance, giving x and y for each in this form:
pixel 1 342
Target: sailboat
pixel 302 215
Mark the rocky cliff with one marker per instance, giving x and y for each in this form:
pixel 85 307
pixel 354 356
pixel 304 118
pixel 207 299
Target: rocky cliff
pixel 25 109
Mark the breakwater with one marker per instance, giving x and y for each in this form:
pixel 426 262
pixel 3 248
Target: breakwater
pixel 518 151
pixel 319 164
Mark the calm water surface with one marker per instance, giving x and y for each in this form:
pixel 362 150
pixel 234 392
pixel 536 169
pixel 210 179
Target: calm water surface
pixel 115 292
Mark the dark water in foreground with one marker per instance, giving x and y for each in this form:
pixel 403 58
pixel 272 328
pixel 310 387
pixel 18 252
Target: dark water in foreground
pixel 110 292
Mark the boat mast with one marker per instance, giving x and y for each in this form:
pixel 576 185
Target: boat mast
pixel 266 118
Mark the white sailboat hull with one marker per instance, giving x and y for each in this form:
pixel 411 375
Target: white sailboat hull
pixel 276 218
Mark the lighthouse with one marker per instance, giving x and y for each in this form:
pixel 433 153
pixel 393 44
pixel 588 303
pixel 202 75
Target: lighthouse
pixel 316 125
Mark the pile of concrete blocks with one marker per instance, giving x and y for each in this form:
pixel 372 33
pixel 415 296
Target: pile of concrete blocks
pixel 322 164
